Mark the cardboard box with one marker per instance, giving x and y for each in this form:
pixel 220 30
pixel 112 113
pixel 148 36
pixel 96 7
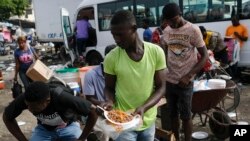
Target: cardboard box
pixel 38 71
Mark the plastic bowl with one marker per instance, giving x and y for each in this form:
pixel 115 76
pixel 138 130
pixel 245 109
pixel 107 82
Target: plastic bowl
pixel 216 83
pixel 122 124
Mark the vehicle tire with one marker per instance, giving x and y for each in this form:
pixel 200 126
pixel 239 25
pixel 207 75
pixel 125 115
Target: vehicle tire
pixel 232 100
pixel 220 131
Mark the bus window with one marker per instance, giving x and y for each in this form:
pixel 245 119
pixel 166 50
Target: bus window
pixel 66 26
pixel 146 9
pixel 195 11
pixel 245 9
pixel 107 10
pixel 207 10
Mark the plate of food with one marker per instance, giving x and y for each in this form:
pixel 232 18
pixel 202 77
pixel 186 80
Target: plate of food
pixel 119 117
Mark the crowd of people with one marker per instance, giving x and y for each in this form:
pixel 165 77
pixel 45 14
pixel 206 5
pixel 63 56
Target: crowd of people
pixel 169 56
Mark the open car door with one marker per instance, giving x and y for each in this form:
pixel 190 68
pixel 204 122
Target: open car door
pixel 67 33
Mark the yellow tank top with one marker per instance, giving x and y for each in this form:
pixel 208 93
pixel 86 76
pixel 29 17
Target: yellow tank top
pixel 209 35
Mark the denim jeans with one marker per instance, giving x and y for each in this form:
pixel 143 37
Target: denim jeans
pixel 70 133
pixel 25 79
pixel 144 135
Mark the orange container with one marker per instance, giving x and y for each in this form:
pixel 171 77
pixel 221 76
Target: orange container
pixel 82 72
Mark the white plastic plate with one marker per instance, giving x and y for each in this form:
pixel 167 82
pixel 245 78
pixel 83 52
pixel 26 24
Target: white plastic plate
pixel 225 77
pixel 200 135
pixel 125 123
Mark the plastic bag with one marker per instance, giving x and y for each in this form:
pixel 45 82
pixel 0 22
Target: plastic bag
pixel 16 89
pixel 201 85
pixel 112 130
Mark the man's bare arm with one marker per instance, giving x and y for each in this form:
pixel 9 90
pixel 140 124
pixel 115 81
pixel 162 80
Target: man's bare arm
pixel 160 87
pixel 14 128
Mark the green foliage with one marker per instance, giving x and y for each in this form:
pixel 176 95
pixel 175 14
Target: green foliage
pixel 12 7
pixel 20 7
pixel 6 8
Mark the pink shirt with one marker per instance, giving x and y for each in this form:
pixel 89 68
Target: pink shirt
pixel 182 53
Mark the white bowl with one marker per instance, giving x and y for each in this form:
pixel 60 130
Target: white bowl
pixel 216 83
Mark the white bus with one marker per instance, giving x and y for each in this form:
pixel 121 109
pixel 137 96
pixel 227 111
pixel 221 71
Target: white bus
pixel 213 14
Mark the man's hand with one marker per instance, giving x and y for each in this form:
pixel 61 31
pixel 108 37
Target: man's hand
pixel 15 78
pixel 236 34
pixel 108 105
pixel 139 111
pixel 185 80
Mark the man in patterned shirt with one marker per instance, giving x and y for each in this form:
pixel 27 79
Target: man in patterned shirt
pixel 181 39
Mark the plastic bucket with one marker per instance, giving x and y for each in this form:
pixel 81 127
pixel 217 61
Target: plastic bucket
pixel 220 128
pixel 68 75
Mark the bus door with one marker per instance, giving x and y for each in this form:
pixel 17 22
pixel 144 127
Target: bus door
pixel 67 32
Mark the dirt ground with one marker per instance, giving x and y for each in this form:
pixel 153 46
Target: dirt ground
pixel 30 122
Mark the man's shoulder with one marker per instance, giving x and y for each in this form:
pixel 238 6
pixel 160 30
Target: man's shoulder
pixel 152 47
pixel 230 27
pixel 94 71
pixel 192 26
pixel 147 30
pixel 215 33
pixel 243 26
pixel 114 52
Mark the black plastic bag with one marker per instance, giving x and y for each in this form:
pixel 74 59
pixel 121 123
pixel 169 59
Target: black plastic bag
pixel 16 89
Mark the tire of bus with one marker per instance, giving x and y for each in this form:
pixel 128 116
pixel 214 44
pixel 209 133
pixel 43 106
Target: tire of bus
pixel 220 131
pixel 236 100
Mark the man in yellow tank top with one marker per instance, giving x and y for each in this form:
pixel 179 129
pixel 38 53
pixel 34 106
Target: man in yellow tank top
pixel 215 43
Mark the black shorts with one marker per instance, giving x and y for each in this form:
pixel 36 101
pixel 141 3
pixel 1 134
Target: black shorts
pixel 179 100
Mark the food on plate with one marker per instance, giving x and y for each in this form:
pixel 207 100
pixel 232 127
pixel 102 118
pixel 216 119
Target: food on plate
pixel 119 116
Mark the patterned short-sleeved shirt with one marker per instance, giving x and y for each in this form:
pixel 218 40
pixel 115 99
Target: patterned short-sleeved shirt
pixel 182 54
